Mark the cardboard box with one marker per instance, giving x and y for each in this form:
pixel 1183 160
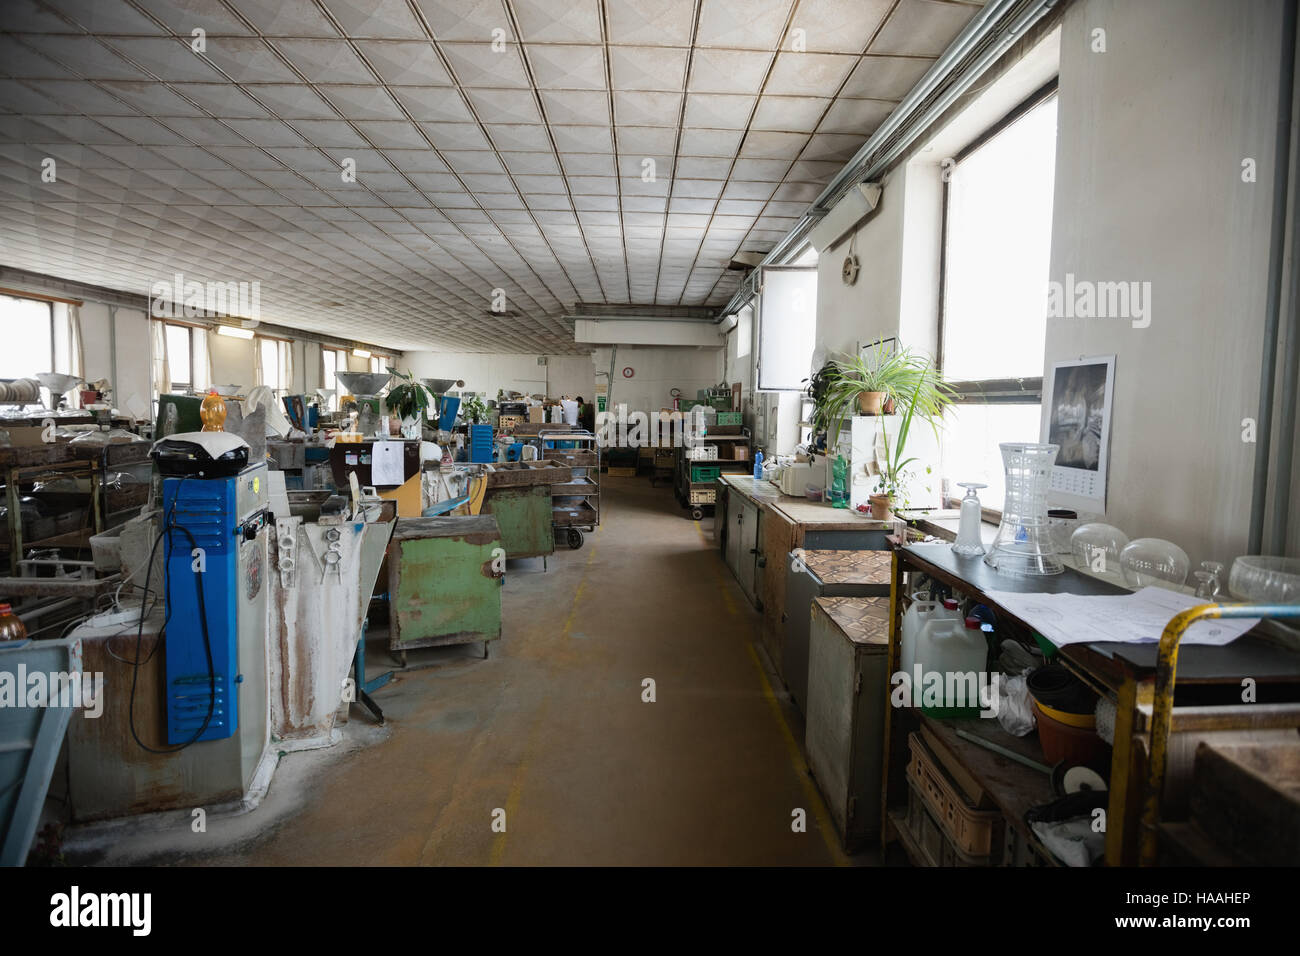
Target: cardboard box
pixel 536 414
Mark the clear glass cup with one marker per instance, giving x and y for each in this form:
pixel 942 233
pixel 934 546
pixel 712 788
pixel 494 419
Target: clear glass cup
pixel 969 542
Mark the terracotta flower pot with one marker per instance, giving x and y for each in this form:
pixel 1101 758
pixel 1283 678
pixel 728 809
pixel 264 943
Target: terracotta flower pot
pixel 881 507
pixel 870 403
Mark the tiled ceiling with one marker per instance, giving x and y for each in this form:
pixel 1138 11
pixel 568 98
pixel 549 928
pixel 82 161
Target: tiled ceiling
pixel 615 151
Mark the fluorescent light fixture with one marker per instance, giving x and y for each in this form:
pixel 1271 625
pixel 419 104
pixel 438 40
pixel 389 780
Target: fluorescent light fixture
pixel 234 332
pixel 361 353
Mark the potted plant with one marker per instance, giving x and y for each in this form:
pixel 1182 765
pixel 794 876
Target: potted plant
pixel 877 382
pixel 894 472
pixel 409 400
pixel 475 410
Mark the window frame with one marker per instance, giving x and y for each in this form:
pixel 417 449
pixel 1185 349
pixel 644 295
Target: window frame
pixel 189 342
pixel 994 391
pixel 49 308
pixel 279 344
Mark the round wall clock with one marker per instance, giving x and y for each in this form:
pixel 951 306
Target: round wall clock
pixel 628 371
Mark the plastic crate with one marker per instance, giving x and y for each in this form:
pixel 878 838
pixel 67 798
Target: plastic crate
pixel 930 838
pixel 973 832
pixel 704 473
pixel 702 453
pixel 704 496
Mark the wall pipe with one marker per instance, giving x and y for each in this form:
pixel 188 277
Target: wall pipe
pixel 979 30
pixel 1282 159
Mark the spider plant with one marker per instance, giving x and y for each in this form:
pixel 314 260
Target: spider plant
pixel 894 473
pixel 904 377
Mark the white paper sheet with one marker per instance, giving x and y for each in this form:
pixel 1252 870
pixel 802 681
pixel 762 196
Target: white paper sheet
pixel 386 463
pixel 1127 618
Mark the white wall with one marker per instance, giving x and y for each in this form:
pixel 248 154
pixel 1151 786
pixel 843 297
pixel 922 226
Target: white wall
pixel 570 375
pixel 1151 135
pixel 656 371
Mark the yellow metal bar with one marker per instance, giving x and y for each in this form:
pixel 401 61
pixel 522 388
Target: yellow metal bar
pixel 1162 704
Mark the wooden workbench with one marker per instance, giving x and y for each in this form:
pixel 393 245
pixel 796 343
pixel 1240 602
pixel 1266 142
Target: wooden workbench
pixel 787 523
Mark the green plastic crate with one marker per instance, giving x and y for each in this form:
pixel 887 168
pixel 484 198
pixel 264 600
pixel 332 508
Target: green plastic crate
pixel 702 473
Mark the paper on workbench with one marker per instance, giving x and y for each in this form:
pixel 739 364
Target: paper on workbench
pixel 386 463
pixel 1126 618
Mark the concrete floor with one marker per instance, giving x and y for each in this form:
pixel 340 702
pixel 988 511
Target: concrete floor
pixel 552 730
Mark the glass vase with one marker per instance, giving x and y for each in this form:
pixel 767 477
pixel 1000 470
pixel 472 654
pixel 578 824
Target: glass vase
pixel 1023 545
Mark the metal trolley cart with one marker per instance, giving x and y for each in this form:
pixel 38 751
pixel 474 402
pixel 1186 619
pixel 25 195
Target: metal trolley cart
pixel 575 504
pixel 698 469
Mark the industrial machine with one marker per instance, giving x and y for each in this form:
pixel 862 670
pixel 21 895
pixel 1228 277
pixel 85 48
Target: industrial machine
pixel 215 507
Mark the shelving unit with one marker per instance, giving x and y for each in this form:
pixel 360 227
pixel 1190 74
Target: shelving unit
pixel 696 479
pixel 575 504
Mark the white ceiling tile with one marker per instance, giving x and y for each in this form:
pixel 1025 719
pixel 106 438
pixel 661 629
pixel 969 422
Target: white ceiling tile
pixel 642 141
pixel 330 133
pixel 567 67
pixel 375 18
pixel 809 73
pixel 582 107
pixel 703 167
pixel 921 28
pixel 558 21
pixel 100 16
pixel 405 62
pixel 742 24
pixel 728 71
pixel 325 61
pixel 248 60
pixel 836 26
pixel 504 106
pixel 293 18
pixel 391 134
pixel 473 161
pixel 588 164
pixel 761 170
pixel 856 116
pixel 286 100
pixel 651 22
pixel 362 102
pixel 479 64
pixel 22 61
pixel 28 16
pixel 886 77
pixel 456 136
pixel 793 114
pixel 761 144
pixel 520 138
pixel 415 160
pixel 265 132
pixel 647 68
pixel 465 19
pixel 709 142
pixel 86 56
pixel 438 104
pixel 718 110
pixel 583 139
pixel 638 108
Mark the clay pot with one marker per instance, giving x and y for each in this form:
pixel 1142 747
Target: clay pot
pixel 881 507
pixel 870 403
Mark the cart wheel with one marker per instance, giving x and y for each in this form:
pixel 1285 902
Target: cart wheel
pixel 575 539
pixel 697 514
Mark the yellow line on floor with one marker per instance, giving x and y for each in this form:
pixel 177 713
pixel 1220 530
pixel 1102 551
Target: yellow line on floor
pixel 816 806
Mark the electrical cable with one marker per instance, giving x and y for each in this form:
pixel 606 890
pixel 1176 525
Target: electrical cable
pixel 169 524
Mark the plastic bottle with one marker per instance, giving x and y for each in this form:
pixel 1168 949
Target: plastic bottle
pixel 955 646
pixel 758 466
pixel 840 483
pixel 11 625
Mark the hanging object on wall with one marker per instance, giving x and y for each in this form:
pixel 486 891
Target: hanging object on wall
pixel 628 371
pixel 1079 396
pixel 849 272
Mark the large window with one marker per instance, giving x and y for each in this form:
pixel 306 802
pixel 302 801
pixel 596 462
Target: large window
pixel 275 369
pixel 996 257
pixel 28 329
pixel 180 357
pixel 787 327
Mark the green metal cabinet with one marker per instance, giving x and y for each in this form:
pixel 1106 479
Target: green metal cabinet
pixel 524 516
pixel 444 581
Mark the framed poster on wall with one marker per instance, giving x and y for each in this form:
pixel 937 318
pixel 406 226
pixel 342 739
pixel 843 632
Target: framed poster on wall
pixel 1079 395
